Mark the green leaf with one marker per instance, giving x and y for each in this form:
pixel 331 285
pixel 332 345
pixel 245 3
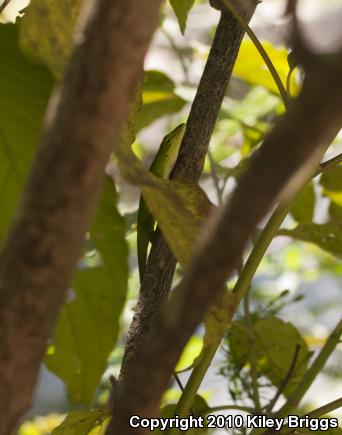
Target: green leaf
pixel 25 90
pixel 326 236
pixel 83 423
pixel 159 99
pixel 304 205
pixel 274 345
pixel 88 326
pixel 182 8
pixel 46 32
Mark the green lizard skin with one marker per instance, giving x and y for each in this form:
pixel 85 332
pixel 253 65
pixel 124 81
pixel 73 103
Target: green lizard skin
pixel 161 167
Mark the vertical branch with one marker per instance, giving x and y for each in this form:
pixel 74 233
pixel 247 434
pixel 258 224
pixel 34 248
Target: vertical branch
pixel 189 166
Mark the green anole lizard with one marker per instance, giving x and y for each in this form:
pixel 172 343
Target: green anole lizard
pixel 161 167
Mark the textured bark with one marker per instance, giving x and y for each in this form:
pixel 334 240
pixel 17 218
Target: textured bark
pixel 298 141
pixel 189 166
pixel 46 239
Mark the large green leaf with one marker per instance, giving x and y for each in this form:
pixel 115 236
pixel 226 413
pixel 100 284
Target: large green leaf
pixel 47 29
pixel 25 90
pixel 88 326
pixel 304 205
pixel 326 236
pixel 274 346
pixel 159 99
pixel 180 210
pixel 84 423
pixel 182 8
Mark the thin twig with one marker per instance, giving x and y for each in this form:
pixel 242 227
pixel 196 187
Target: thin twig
pixel 4 5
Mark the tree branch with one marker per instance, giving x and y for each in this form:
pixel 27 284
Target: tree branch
pixel 290 152
pixel 45 242
pixel 161 263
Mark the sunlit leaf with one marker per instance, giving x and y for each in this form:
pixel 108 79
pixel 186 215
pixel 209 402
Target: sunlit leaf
pixel 190 353
pixel 326 236
pixel 251 67
pixel 46 32
pixel 182 8
pixel 25 90
pixel 88 326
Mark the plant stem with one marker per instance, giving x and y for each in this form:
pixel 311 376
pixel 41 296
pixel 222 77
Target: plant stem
pixel 194 382
pixel 326 409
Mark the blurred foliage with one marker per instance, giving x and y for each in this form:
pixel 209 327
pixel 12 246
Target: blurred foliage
pixel 56 21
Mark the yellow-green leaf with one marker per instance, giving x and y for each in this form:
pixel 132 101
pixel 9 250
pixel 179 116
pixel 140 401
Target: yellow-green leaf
pixel 251 67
